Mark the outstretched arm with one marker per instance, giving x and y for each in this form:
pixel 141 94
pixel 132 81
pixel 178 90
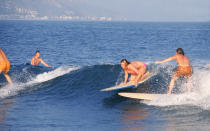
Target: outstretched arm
pixel 44 63
pixel 166 60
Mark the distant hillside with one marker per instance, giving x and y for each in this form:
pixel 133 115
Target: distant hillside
pixel 52 9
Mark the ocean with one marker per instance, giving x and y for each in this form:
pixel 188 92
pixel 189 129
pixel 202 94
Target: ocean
pixel 85 58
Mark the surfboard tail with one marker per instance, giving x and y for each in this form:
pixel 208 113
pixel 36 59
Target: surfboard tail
pixel 140 96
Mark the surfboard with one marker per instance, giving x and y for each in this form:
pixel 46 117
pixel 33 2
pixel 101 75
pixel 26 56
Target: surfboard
pixel 141 96
pixel 119 87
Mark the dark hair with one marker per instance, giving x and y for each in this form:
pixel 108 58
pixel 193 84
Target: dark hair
pixel 180 51
pixel 37 51
pixel 125 61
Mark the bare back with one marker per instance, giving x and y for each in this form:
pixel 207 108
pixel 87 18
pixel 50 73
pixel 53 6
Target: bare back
pixel 182 60
pixel 3 57
pixel 137 64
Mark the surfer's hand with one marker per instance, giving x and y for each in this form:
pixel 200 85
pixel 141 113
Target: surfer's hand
pixel 136 83
pixel 157 62
pixel 122 84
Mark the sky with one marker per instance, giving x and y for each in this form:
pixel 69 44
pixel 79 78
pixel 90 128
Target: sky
pixel 157 10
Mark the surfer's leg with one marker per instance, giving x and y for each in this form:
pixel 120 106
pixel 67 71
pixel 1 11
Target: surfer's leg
pixel 171 86
pixel 189 88
pixel 142 74
pixel 8 78
pixel 6 71
pixel 132 78
pixel 188 74
pixel 145 75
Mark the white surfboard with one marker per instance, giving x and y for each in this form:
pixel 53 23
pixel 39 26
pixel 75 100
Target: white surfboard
pixel 119 87
pixel 141 96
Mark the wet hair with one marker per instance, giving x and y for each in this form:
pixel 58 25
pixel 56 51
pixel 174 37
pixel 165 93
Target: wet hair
pixel 127 62
pixel 180 51
pixel 37 51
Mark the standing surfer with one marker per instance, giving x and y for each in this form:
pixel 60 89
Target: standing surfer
pixel 184 68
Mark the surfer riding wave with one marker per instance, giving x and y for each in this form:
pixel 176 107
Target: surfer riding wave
pixel 136 69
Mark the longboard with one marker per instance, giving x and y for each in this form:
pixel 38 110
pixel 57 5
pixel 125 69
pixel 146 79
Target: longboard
pixel 119 87
pixel 141 96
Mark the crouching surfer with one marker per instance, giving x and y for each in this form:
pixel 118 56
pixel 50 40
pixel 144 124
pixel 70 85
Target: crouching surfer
pixel 136 69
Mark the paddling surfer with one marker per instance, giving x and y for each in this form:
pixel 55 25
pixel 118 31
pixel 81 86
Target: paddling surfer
pixel 136 69
pixel 184 68
pixel 4 65
pixel 36 60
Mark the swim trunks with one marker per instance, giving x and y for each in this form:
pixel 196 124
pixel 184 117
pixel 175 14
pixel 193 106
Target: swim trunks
pixel 183 70
pixel 4 66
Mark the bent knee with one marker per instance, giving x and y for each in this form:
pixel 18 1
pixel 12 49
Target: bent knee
pixel 5 72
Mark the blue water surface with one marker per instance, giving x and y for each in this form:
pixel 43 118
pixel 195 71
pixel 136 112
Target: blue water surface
pixel 85 58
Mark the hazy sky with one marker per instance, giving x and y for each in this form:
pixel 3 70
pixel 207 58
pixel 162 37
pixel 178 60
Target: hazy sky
pixel 133 10
pixel 157 10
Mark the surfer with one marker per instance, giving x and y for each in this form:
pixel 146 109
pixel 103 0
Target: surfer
pixel 4 65
pixel 36 60
pixel 137 70
pixel 184 68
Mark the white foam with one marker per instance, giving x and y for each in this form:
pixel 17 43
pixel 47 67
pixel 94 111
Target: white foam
pixel 200 96
pixel 53 74
pixel 8 90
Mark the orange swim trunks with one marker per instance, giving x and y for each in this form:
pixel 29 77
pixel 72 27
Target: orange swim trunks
pixel 4 66
pixel 183 70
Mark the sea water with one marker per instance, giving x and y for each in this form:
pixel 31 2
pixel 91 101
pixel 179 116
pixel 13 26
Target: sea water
pixel 85 58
